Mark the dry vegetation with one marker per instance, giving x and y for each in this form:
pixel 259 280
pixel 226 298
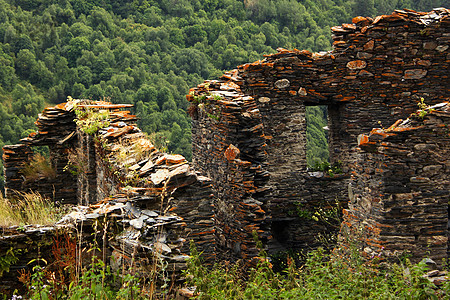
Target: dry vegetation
pixel 27 208
pixel 39 167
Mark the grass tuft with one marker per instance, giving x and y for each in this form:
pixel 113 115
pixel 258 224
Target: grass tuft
pixel 39 167
pixel 27 208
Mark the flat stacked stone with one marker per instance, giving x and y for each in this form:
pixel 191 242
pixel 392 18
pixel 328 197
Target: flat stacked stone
pixel 56 129
pixel 399 190
pixel 150 203
pixel 377 72
pixel 15 157
pixel 229 134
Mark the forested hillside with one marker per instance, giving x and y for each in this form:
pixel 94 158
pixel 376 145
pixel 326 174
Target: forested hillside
pixel 149 53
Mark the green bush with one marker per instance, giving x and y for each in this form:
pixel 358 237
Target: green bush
pixel 323 276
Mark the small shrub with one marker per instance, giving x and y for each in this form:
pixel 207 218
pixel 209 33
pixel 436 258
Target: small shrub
pixel 323 276
pixel 7 260
pixel 326 167
pixel 424 108
pixel 90 121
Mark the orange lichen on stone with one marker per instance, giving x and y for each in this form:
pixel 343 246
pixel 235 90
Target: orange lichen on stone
pixel 356 64
pixel 403 129
pixel 381 132
pixel 348 98
pixel 203 232
pixel 232 152
pixel 363 140
pixel 363 20
pixel 190 97
pixel 105 105
pixel 174 159
pixel 349 26
pixel 393 126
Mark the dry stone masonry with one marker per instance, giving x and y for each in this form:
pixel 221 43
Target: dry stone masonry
pixel 151 204
pixel 249 133
pixel 249 174
pixel 56 129
pixel 399 193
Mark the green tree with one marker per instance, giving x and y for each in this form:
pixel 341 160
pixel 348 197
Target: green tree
pixel 365 7
pixel 76 47
pixel 25 62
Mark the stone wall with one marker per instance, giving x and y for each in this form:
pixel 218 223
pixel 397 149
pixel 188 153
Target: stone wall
pixel 228 133
pixel 150 203
pixel 399 192
pixel 377 72
pixel 249 139
pixel 56 130
pixel 25 245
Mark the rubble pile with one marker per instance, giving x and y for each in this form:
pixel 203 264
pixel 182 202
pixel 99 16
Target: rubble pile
pixel 137 238
pixel 128 166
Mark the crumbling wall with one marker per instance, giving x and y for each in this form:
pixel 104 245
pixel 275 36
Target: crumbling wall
pixel 399 192
pixel 84 157
pixel 249 137
pixel 21 249
pixel 150 203
pixel 377 72
pixel 228 133
pixel 56 129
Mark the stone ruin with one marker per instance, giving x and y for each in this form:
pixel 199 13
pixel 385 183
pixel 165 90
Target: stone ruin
pixel 249 137
pixel 146 203
pixel 249 173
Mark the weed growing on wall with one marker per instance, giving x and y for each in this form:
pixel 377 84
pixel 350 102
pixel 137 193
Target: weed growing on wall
pixel 7 260
pixel 90 121
pixel 204 103
pixel 326 168
pixel 424 108
pixel 39 167
pixel 78 271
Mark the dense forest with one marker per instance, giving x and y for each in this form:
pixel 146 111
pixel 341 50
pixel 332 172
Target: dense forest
pixel 149 53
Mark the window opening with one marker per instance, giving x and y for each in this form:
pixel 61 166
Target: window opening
pixel 317 153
